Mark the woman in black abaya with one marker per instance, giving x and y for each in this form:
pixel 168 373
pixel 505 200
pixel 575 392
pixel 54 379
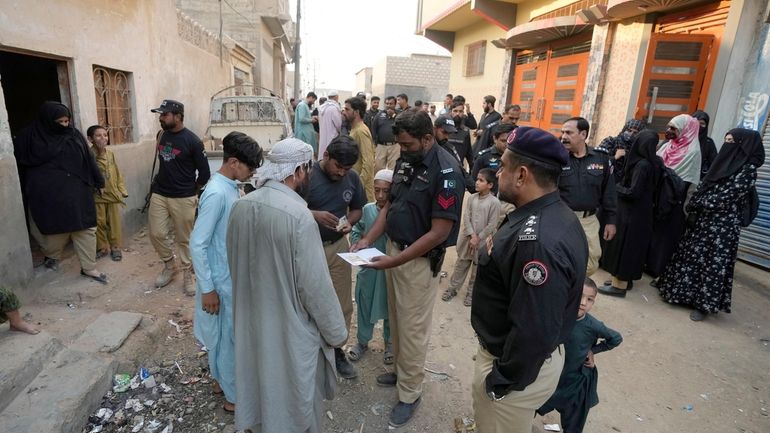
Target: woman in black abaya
pixel 61 176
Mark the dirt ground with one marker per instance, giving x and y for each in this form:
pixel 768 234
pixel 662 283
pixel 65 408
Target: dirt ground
pixel 670 374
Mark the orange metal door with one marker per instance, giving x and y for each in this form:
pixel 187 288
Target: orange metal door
pixel 674 73
pixel 563 94
pixel 529 87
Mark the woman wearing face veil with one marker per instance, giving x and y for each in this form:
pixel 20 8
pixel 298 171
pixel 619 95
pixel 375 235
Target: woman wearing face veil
pixel 680 153
pixel 624 255
pixel 708 150
pixel 60 177
pixel 700 274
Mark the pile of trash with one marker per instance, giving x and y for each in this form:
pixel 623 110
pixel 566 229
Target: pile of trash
pixel 175 396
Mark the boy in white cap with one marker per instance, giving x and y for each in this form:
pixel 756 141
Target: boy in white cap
pixel 371 287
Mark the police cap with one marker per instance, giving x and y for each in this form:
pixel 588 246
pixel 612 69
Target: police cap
pixel 539 145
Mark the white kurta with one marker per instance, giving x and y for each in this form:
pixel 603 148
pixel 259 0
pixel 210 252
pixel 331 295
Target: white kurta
pixel 287 316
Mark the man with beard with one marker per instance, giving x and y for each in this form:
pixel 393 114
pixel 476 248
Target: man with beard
pixel 386 149
pixel 336 192
pixel 175 192
pixel 422 219
pixel 374 109
pixel 354 112
pixel 461 140
pixel 510 116
pixel 287 317
pixel 468 119
pixel 528 287
pixel 329 121
pixel 586 184
pixel 616 147
pixel 490 116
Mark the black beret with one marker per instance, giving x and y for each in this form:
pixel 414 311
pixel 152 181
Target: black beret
pixel 539 145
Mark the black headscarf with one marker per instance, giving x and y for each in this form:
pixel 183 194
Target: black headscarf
pixel 45 139
pixel 703 130
pixel 642 148
pixel 747 149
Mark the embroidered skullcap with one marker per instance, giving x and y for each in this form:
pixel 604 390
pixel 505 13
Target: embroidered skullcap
pixel 384 174
pixel 283 159
pixel 539 145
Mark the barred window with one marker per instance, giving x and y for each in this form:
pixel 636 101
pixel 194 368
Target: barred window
pixel 113 103
pixel 474 58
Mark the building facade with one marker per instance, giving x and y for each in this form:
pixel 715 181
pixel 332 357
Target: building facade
pixel 613 60
pixel 420 76
pixel 364 81
pixel 263 27
pixel 112 74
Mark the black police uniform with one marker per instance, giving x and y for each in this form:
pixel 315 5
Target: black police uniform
pixel 461 140
pixel 487 158
pixel 586 184
pixel 432 189
pixel 382 129
pixel 528 290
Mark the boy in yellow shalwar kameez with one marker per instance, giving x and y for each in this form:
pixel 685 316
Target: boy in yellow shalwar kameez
pixel 109 234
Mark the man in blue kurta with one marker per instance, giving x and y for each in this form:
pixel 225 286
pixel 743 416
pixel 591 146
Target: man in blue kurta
pixel 213 299
pixel 303 122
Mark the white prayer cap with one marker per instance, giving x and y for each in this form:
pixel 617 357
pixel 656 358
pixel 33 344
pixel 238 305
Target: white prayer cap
pixel 332 93
pixel 384 174
pixel 284 158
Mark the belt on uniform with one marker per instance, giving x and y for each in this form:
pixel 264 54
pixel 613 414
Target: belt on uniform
pixel 587 213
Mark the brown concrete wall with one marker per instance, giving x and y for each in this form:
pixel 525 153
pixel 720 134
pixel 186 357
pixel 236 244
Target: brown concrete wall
pixel 141 37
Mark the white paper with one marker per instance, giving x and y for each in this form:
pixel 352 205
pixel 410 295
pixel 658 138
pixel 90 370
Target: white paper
pixel 361 257
pixel 552 427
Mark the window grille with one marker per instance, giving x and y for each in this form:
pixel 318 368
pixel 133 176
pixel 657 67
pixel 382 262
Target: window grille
pixel 113 103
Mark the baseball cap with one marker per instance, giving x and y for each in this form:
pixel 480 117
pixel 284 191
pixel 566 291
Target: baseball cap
pixel 446 123
pixel 539 145
pixel 169 105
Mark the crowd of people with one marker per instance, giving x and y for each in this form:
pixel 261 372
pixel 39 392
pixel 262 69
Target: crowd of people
pixel 274 296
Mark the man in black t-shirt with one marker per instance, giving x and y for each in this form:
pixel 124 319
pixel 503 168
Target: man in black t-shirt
pixel 336 199
pixel 175 192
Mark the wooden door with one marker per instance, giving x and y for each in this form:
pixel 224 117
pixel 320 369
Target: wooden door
pixel 674 73
pixel 563 94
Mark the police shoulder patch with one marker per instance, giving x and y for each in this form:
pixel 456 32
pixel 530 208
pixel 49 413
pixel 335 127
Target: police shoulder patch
pixel 529 229
pixel 447 170
pixel 535 273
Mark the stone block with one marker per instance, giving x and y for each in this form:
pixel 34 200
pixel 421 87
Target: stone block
pixel 108 332
pixel 23 356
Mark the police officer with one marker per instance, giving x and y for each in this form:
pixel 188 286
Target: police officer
pixel 491 157
pixel 421 220
pixel 586 184
pixel 510 116
pixel 461 139
pixel 385 148
pixel 528 288
pixel 443 128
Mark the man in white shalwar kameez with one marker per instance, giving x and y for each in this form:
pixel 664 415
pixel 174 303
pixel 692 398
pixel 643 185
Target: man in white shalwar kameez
pixel 287 316
pixel 213 325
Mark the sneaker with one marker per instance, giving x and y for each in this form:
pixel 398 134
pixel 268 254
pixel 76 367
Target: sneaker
pixel 387 379
pixel 403 413
pixel 50 263
pixel 166 275
pixel 345 369
pixel 189 284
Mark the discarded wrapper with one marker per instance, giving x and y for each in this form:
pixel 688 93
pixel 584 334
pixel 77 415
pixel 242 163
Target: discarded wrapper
pixel 121 382
pixel 149 383
pixel 104 414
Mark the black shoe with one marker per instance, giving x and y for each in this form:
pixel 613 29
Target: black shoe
pixel 697 315
pixel 630 285
pixel 387 379
pixel 345 369
pixel 655 283
pixel 403 413
pixel 612 291
pixel 51 263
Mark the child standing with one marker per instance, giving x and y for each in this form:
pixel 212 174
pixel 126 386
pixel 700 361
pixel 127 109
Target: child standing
pixel 371 288
pixel 479 222
pixel 108 201
pixel 576 392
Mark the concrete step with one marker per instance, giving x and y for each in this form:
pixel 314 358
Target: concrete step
pixel 108 332
pixel 23 357
pixel 62 395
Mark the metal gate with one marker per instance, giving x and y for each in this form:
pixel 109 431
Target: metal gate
pixel 754 246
